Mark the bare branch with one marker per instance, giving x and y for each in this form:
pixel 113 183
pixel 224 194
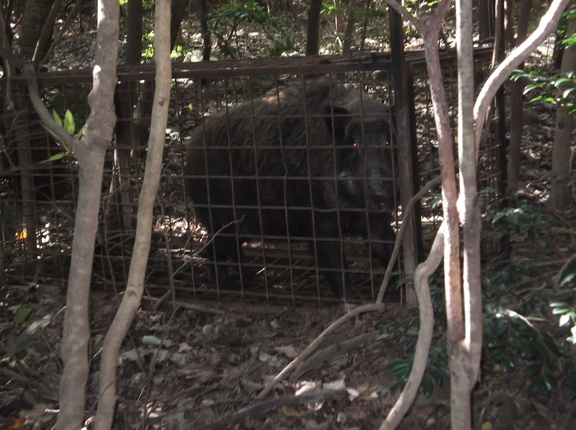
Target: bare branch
pixel 423 272
pixel 63 28
pixel 404 13
pixel 399 237
pixel 34 93
pixel 548 24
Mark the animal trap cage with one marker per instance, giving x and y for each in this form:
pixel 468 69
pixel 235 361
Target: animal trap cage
pixel 329 99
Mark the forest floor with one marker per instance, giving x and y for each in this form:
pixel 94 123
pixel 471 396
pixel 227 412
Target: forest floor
pixel 198 364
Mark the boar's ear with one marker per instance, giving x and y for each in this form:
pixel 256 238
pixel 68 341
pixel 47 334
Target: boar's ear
pixel 336 120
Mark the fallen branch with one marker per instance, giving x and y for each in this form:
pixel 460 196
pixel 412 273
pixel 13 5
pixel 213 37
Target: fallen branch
pixel 375 307
pixel 333 352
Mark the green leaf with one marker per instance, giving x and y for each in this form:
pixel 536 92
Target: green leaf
pixel 566 93
pixel 81 132
pixel 498 216
pixel 58 156
pixel 56 117
pixel 21 314
pixel 562 81
pixel 54 135
pixel 379 394
pixel 437 376
pixel 69 123
pixel 564 320
pixel 568 273
pixel 560 310
pixel 426 386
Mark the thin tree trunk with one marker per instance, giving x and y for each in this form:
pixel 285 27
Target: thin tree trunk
pixel 65 26
pixel 33 19
pixel 429 27
pixel 509 13
pixel 562 135
pixel 547 25
pixel 425 332
pixel 178 12
pixel 34 16
pixel 26 164
pixel 133 53
pixel 206 37
pixel 135 286
pixel 460 407
pixel 465 361
pixel 313 30
pixel 485 19
pixel 42 43
pixel 464 335
pixel 118 206
pixel 406 148
pixel 339 17
pixel 90 152
pixel 349 32
pixel 517 105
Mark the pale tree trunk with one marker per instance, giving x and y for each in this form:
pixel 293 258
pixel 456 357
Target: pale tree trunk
pixel 429 27
pixel 463 304
pixel 90 152
pixel 135 286
pixel 339 17
pixel 561 159
pixel 460 410
pixel 466 352
pixel 425 332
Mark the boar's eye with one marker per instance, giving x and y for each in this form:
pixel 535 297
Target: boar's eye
pixel 360 149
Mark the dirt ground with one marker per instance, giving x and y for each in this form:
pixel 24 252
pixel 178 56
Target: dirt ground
pixel 202 364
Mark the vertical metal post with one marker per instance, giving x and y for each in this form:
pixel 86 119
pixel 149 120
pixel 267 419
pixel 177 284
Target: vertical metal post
pixel 406 144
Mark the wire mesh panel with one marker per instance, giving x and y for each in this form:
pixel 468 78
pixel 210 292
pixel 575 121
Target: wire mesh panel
pixel 291 185
pixel 262 177
pixel 38 189
pixel 276 183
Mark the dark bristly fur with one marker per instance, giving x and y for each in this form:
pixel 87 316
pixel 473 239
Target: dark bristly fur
pixel 306 163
